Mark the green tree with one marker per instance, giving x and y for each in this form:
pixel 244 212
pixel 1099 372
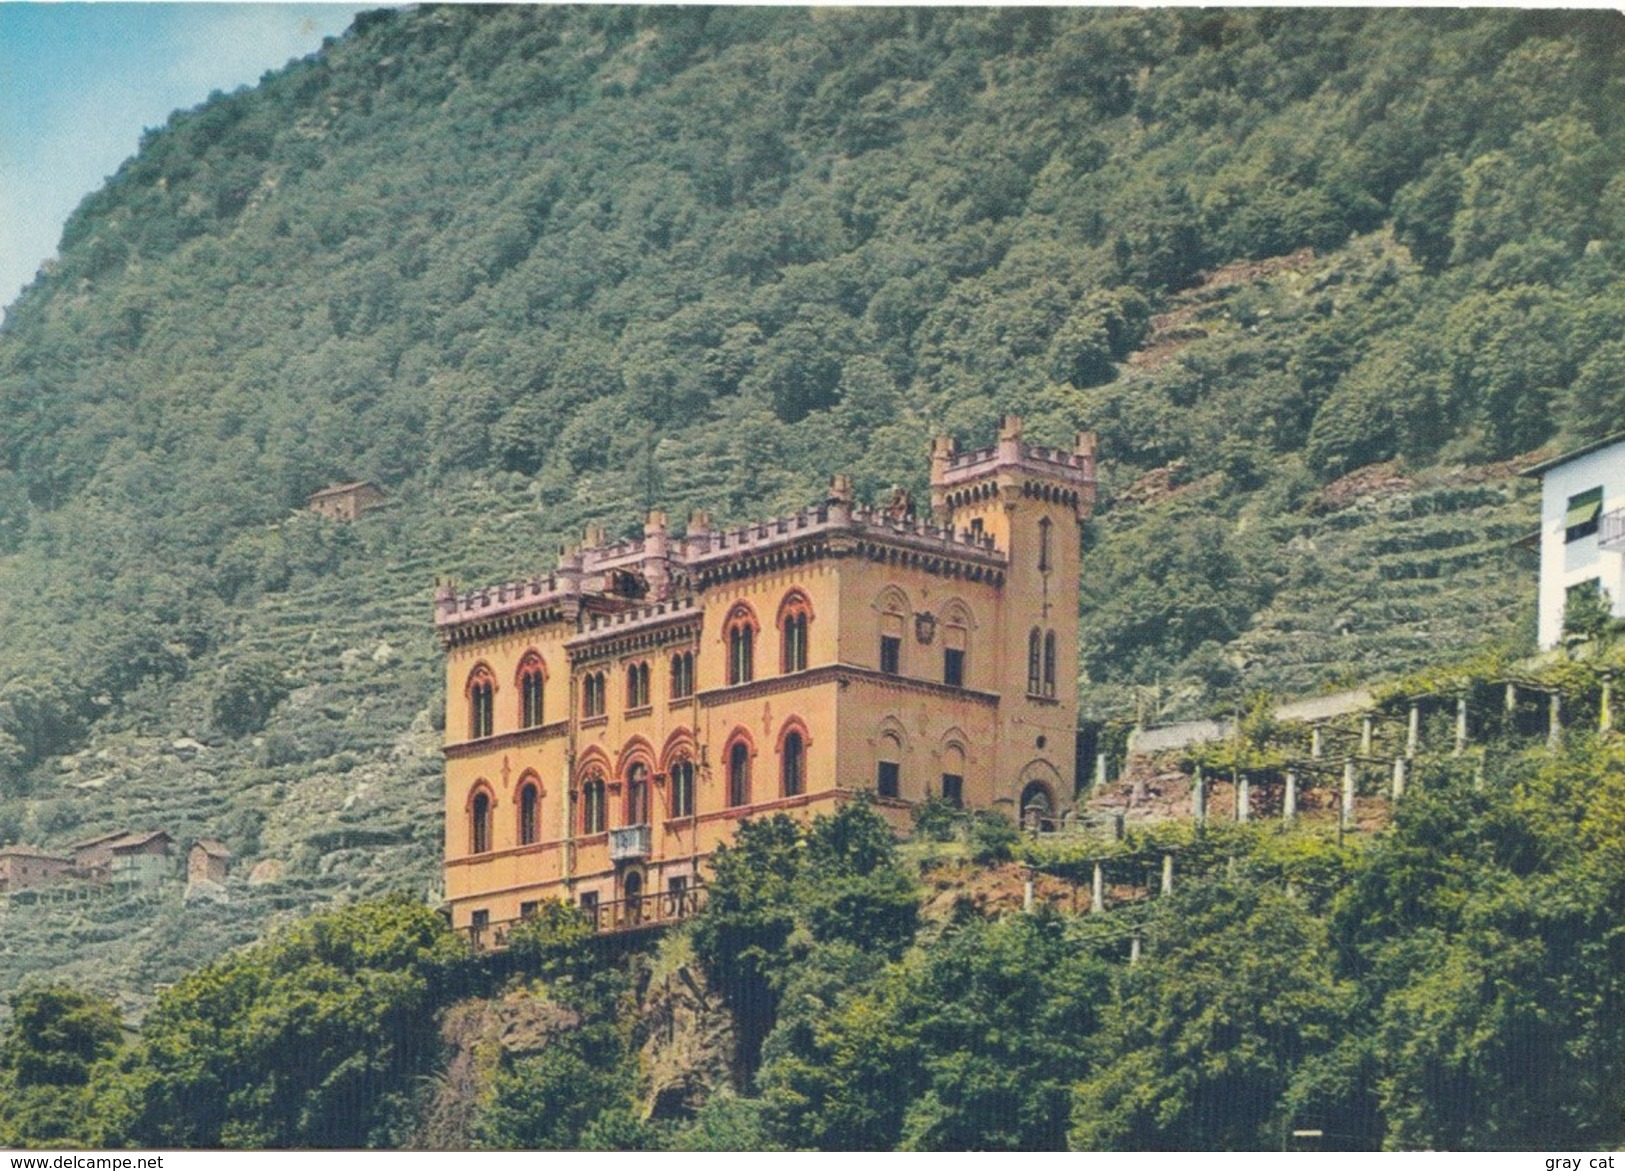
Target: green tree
pixel 1234 994
pixel 308 1039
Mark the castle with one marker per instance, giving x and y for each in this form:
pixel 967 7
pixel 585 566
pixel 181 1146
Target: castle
pixel 610 725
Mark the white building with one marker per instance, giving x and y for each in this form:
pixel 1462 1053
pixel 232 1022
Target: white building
pixel 1582 530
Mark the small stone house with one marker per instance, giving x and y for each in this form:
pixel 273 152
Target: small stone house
pixel 345 502
pixel 93 857
pixel 140 858
pixel 22 867
pixel 207 861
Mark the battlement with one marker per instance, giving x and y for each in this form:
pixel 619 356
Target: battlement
pixel 588 570
pixel 638 576
pixel 452 608
pixel 951 467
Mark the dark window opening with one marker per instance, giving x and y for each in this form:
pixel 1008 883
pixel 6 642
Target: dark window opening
pixel 530 698
pixel 1043 544
pixel 795 643
pixel 592 695
pixel 953 668
pixel 888 779
pixel 891 654
pixel 1049 664
pixel 482 823
pixel 739 775
pixel 953 790
pixel 592 806
pixel 682 789
pixel 637 686
pixel 1034 643
pixel 682 675
pixel 529 808
pixel 741 655
pixel 676 893
pixel 637 795
pixel 794 761
pixel 482 709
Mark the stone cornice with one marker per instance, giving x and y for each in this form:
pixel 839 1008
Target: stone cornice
pixel 515 739
pixel 841 674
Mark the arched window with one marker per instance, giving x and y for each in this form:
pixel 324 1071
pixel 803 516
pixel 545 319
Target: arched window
pixel 530 813
pixel 1037 806
pixel 1043 544
pixel 1049 664
pixel 794 615
pixel 741 633
pixel 637 686
pixel 530 691
pixel 793 765
pixel 637 795
pixel 1035 640
pixel 482 688
pixel 682 675
pixel 592 695
pixel 593 812
pixel 739 774
pixel 682 788
pixel 480 822
pixel 893 606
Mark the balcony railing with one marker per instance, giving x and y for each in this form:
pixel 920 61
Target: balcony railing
pixel 1611 531
pixel 629 843
pixel 655 909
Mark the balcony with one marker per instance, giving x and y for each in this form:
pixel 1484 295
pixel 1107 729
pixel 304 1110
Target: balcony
pixel 657 909
pixel 630 843
pixel 1611 530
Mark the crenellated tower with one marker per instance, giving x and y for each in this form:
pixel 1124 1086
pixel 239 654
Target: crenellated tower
pixel 1032 501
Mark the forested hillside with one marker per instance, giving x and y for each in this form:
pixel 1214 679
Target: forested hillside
pixel 535 267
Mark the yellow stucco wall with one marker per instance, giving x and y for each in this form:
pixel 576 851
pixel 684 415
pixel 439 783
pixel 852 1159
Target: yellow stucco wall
pixel 990 730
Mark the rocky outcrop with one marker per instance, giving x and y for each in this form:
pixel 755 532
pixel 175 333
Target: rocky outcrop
pixel 689 1042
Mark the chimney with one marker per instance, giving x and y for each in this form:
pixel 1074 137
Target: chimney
pixel 594 537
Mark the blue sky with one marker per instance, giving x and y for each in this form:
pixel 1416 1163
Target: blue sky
pixel 79 83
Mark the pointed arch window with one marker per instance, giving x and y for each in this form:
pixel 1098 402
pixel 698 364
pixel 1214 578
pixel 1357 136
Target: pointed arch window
pixel 637 686
pixel 682 788
pixel 530 691
pixel 1035 643
pixel 480 823
pixel 593 810
pixel 739 774
pixel 637 795
pixel 482 688
pixel 592 695
pixel 682 675
pixel 1049 664
pixel 795 613
pixel 793 765
pixel 741 635
pixel 1043 544
pixel 530 813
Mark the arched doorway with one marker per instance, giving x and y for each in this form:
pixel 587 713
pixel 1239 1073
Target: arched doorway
pixel 1037 806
